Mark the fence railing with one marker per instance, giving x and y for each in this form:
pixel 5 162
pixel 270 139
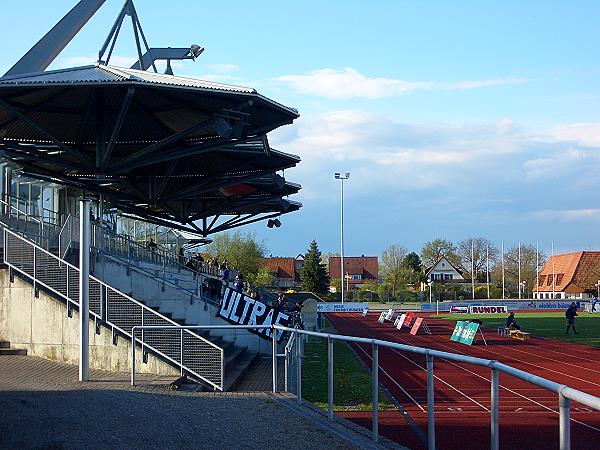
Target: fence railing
pixel 565 393
pixel 124 247
pixel 183 348
pixel 35 227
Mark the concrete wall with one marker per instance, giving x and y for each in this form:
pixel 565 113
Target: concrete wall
pixel 42 327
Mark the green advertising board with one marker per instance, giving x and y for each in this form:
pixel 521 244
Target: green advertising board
pixel 464 332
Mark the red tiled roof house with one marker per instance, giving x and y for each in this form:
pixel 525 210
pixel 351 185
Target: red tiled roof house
pixel 569 276
pixel 285 270
pixel 359 269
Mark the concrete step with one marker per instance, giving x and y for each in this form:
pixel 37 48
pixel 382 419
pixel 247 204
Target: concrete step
pixel 233 356
pixel 233 375
pixel 12 351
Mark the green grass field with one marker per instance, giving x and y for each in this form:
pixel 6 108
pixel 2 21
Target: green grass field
pixel 544 324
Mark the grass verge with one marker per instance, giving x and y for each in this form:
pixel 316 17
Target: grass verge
pixel 544 324
pixel 351 379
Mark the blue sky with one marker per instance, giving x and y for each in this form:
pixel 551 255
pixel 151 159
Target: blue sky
pixel 455 119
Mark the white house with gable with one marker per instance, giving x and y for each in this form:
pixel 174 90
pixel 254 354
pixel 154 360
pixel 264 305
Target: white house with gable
pixel 443 271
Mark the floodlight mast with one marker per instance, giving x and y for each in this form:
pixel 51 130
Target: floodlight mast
pixel 340 177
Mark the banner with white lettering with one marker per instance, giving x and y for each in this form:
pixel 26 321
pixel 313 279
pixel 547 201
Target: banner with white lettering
pixel 240 309
pixel 499 309
pixel 341 307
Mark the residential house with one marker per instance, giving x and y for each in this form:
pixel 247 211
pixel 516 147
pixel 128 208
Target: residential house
pixel 359 270
pixel 443 271
pixel 569 276
pixel 286 270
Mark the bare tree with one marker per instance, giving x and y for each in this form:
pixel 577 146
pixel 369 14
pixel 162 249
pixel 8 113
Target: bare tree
pixel 433 250
pixel 392 268
pixel 511 267
pixel 475 251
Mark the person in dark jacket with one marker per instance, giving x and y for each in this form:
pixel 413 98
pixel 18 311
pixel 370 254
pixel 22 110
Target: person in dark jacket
pixel 570 315
pixel 511 322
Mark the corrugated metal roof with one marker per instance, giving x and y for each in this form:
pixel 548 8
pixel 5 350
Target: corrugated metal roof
pixel 172 80
pixel 75 75
pixel 108 74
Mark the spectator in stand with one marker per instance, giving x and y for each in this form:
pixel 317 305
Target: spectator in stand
pixel 511 322
pixel 570 315
pixel 238 284
pixel 280 303
pixel 225 275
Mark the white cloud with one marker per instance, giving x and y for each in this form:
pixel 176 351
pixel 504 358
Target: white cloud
pixel 223 68
pixel 570 161
pixel 582 133
pixel 496 166
pixel 567 214
pixel 387 153
pixel 350 83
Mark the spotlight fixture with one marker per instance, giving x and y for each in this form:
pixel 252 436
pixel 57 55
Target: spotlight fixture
pixel 273 223
pixel 196 50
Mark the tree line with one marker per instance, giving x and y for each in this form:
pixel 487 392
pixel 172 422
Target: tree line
pixel 401 271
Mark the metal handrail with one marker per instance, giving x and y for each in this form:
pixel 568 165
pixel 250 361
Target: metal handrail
pixel 125 243
pixel 104 314
pixel 194 293
pixel 565 393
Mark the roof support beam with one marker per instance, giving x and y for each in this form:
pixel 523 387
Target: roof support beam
pixel 72 151
pixel 117 128
pixel 15 151
pixel 139 158
pixel 245 222
pixel 28 111
pixel 214 183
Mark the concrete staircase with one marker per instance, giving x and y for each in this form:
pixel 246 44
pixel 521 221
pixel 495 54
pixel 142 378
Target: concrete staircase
pixel 6 350
pixel 143 281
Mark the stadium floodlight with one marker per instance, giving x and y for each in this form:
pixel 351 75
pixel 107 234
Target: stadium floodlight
pixel 339 176
pixel 196 50
pixel 273 223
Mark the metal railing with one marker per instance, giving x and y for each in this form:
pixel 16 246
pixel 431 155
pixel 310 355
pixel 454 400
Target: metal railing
pixel 43 233
pixel 122 246
pixel 181 347
pixel 565 394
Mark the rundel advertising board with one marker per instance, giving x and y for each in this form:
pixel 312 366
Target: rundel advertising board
pixel 496 309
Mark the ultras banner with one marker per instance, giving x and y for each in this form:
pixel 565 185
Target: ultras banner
pixel 239 309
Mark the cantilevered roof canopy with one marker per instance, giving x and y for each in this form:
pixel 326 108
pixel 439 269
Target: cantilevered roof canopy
pixel 162 147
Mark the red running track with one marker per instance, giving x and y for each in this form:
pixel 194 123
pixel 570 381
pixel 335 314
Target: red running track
pixel 528 414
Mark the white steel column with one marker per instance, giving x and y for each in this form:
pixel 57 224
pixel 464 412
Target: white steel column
pixel 537 270
pixel 472 269
pixel 84 289
pixel 487 269
pixel 502 257
pixel 519 271
pixel 553 274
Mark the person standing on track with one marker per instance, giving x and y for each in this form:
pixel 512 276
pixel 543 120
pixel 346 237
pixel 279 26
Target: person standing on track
pixel 570 315
pixel 594 301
